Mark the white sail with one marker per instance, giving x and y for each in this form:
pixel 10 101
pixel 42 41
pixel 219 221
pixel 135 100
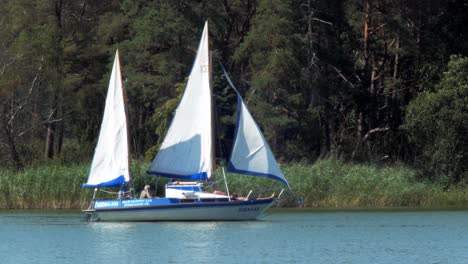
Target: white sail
pixel 251 154
pixel 186 151
pixel 110 166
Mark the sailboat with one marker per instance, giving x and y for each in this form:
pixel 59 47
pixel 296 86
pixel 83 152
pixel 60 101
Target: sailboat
pixel 187 157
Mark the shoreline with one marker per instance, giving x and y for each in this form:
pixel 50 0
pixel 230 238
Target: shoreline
pixel 280 210
pixel 324 185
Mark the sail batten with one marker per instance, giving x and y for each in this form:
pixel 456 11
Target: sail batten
pixel 186 151
pixel 110 165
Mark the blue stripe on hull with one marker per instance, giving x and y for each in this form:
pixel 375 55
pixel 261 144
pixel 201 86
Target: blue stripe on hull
pixel 193 211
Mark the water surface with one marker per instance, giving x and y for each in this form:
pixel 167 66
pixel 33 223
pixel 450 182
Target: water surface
pixel 291 236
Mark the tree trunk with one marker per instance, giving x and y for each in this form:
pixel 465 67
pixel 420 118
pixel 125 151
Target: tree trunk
pixel 367 22
pixel 51 126
pixel 366 76
pixel 60 127
pixel 11 141
pixel 50 137
pixel 325 138
pixel 397 59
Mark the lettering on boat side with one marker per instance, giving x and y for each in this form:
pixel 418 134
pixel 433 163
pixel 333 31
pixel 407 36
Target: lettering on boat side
pixel 249 209
pixel 102 204
pixel 137 202
pixel 124 203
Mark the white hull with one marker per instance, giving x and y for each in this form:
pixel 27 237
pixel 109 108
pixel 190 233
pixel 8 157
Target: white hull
pixel 207 211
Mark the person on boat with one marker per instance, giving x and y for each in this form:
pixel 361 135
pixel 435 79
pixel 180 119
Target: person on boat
pixel 234 196
pixel 173 182
pixel 145 193
pixel 123 194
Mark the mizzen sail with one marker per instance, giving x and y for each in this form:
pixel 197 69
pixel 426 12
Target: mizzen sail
pixel 110 166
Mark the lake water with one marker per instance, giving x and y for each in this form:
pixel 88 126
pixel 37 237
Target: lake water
pixel 290 236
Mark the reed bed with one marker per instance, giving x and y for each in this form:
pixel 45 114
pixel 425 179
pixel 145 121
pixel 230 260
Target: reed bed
pixel 325 184
pixel 50 186
pixel 336 184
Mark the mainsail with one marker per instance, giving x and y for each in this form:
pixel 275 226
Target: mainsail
pixel 186 152
pixel 110 166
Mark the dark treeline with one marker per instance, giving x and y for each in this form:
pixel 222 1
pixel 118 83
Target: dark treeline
pixel 369 80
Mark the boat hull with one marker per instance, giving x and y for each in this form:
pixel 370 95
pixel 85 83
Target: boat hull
pixel 163 210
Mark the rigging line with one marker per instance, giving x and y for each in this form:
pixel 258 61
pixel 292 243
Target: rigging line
pixel 156 186
pixel 108 192
pixel 218 132
pixel 229 80
pixel 231 84
pixel 233 87
pixel 212 183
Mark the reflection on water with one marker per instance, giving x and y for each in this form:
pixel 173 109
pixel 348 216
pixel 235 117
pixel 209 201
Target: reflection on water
pixel 112 228
pixel 281 237
pixel 35 217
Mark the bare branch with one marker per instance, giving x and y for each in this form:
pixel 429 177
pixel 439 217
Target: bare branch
pixel 312 61
pixel 342 76
pixel 322 21
pixel 366 137
pixel 4 67
pixel 52 120
pixel 377 29
pixel 26 100
pixel 373 131
pixel 83 6
pixel 250 97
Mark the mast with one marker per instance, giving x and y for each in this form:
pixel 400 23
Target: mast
pixel 124 95
pixel 213 104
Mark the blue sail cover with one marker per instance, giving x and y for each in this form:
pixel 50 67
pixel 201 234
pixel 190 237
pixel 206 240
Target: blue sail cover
pixel 186 152
pixel 119 181
pixel 251 154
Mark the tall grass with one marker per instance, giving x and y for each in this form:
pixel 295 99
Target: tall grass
pixel 50 186
pixel 326 184
pixel 336 184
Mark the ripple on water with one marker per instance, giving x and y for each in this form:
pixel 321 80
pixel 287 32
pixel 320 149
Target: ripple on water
pixel 284 237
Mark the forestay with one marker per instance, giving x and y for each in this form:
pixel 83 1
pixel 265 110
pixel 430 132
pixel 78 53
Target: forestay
pixel 186 151
pixel 110 166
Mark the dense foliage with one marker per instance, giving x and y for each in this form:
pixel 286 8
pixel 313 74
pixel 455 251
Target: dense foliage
pixel 437 123
pixel 321 77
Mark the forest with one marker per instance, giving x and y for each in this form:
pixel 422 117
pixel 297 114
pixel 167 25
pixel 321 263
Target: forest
pixel 364 81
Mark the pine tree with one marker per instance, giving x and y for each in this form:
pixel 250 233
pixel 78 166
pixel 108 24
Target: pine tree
pixel 269 62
